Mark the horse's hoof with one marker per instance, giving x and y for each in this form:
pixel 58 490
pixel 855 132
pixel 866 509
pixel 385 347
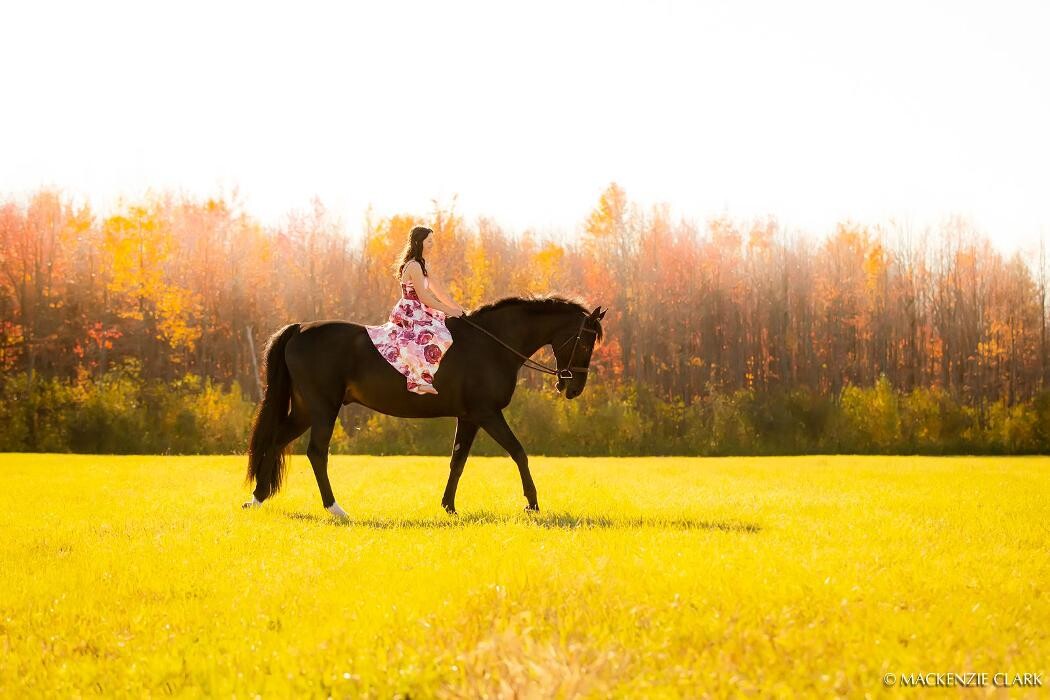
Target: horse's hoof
pixel 532 508
pixel 254 503
pixel 451 510
pixel 338 512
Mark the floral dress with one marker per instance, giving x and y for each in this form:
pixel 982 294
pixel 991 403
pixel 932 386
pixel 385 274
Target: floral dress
pixel 414 339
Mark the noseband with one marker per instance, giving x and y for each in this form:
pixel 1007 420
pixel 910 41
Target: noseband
pixel 566 374
pixel 562 374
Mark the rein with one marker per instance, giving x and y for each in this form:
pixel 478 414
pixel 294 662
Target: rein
pixel 565 374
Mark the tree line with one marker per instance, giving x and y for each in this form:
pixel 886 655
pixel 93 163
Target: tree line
pixel 177 295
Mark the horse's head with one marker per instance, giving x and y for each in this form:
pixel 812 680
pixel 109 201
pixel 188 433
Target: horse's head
pixel 573 348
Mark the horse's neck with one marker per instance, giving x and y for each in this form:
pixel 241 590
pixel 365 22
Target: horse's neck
pixel 525 331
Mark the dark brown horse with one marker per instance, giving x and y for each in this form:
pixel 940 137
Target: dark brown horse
pixel 314 368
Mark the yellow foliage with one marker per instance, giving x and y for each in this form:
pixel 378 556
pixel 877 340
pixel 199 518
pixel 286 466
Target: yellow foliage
pixel 608 217
pixel 475 286
pixel 141 247
pixel 876 261
pixel 340 441
pixel 546 264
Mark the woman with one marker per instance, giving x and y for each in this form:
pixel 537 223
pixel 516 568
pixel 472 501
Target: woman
pixel 415 338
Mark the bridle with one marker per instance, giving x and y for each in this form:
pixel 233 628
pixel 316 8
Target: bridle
pixel 564 374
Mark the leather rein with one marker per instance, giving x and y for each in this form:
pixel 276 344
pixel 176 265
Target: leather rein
pixel 562 374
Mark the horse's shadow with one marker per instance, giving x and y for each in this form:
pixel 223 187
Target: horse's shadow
pixel 553 521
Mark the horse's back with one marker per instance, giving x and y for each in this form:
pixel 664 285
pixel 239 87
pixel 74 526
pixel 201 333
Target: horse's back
pixel 328 325
pixel 339 356
pixel 329 346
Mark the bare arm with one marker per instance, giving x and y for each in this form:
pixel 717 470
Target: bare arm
pixel 443 295
pixel 412 273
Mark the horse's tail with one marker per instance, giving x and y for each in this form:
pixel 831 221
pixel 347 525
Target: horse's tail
pixel 265 456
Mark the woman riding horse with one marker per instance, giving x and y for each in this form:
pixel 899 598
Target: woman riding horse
pixel 312 369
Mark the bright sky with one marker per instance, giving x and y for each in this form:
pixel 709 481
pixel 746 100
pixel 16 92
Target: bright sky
pixel 813 112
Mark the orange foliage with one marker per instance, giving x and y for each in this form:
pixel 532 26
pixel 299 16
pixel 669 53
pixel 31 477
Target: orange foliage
pixel 181 285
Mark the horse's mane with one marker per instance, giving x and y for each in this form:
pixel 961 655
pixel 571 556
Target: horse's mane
pixel 542 303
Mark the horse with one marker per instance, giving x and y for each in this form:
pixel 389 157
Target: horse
pixel 314 368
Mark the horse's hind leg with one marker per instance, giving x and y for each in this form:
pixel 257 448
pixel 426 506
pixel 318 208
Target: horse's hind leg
pixel 465 432
pixel 496 426
pixel 320 437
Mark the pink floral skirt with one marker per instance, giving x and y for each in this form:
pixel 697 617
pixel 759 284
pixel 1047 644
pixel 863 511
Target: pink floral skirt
pixel 414 340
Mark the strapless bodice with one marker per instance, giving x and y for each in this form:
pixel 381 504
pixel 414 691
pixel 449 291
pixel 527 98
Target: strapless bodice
pixel 408 290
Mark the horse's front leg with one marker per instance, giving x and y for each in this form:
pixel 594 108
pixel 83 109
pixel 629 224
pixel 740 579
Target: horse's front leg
pixel 465 432
pixel 496 426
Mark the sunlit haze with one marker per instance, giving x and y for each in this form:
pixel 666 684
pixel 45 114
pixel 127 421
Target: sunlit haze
pixel 810 112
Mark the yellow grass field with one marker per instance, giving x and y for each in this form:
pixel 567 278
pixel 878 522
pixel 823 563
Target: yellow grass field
pixel 654 577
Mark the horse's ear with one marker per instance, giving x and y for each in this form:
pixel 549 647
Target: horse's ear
pixel 597 312
pixel 601 313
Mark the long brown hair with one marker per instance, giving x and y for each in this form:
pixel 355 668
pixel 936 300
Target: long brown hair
pixel 413 250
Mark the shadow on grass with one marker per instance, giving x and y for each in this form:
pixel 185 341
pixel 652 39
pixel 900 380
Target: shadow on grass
pixel 554 521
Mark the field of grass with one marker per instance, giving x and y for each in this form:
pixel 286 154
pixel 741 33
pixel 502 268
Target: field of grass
pixel 643 577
